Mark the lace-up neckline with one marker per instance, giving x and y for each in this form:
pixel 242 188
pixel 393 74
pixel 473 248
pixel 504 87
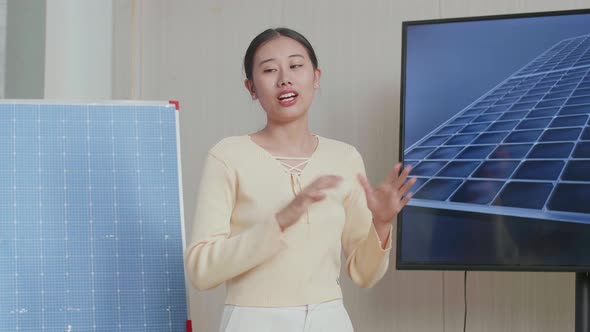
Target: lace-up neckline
pixel 296 169
pixel 293 169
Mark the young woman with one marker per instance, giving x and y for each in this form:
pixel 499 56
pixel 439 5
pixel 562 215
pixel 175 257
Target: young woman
pixel 277 206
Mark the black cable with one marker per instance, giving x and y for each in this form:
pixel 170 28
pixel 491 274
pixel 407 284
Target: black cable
pixel 465 302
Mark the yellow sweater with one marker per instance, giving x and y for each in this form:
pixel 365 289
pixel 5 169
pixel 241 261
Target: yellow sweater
pixel 236 238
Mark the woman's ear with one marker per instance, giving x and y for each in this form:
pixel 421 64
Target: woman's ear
pixel 250 87
pixel 316 79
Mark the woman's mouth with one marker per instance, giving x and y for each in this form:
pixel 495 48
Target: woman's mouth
pixel 287 98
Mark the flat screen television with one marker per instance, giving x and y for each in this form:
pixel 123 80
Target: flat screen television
pixel 495 122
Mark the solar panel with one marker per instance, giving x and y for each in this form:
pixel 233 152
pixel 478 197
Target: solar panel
pixel 90 218
pixel 566 54
pixel 521 149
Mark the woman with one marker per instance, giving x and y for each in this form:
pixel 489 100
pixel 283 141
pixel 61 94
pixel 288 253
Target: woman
pixel 276 207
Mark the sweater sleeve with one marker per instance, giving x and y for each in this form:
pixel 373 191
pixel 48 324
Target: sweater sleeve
pixel 366 260
pixel 213 255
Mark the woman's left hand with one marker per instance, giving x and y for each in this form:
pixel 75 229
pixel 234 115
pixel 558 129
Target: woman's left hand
pixel 387 200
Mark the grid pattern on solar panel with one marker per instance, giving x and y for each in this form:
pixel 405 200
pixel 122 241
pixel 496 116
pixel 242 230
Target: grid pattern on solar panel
pixel 522 148
pixel 90 219
pixel 569 53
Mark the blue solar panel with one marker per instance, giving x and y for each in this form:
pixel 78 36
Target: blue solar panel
pixel 522 149
pixel 569 53
pixel 90 218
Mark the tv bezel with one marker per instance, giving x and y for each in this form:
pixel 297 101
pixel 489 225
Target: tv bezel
pixel 453 266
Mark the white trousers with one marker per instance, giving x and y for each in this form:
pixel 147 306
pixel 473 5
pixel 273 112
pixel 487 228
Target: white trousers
pixel 328 316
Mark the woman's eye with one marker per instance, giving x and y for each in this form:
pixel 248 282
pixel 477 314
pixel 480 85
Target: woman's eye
pixel 270 70
pixel 296 66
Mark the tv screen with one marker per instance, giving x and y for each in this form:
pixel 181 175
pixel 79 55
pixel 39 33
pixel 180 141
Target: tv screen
pixel 495 122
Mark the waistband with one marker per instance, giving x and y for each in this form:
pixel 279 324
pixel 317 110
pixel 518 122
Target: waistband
pixel 307 307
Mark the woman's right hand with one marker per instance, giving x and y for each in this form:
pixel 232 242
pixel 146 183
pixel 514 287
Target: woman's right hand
pixel 309 195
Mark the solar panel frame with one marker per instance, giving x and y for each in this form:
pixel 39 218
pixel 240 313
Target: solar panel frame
pixel 91 221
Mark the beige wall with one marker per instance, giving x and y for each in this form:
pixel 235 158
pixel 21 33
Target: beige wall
pixel 192 51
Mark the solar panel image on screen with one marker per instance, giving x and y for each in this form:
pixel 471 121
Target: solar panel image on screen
pixel 90 218
pixel 522 149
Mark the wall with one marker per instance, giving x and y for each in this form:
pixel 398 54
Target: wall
pixel 78 56
pixel 3 15
pixel 192 51
pixel 25 49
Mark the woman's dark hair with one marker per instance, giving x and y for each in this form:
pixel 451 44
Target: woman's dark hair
pixel 270 34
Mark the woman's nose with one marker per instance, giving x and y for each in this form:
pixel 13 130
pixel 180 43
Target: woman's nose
pixel 284 80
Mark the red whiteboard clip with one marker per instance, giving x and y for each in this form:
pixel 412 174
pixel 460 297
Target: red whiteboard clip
pixel 175 103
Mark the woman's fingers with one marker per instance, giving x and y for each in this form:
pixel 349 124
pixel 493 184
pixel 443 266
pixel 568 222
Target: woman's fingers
pixel 404 189
pixel 316 196
pixel 405 201
pixel 325 182
pixel 314 191
pixel 309 195
pixel 393 174
pixel 401 179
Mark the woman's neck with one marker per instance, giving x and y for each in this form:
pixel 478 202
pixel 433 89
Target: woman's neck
pixel 287 140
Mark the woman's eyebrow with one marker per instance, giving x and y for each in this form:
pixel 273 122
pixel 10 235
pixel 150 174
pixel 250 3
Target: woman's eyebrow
pixel 273 59
pixel 265 61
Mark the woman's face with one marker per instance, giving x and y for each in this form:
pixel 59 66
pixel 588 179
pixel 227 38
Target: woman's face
pixel 284 80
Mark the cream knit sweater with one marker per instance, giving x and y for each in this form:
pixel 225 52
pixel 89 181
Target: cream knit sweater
pixel 237 240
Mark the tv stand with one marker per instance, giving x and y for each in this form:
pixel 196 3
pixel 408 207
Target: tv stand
pixel 582 302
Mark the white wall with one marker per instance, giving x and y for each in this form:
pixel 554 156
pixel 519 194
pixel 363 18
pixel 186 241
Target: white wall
pixel 79 49
pixel 192 51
